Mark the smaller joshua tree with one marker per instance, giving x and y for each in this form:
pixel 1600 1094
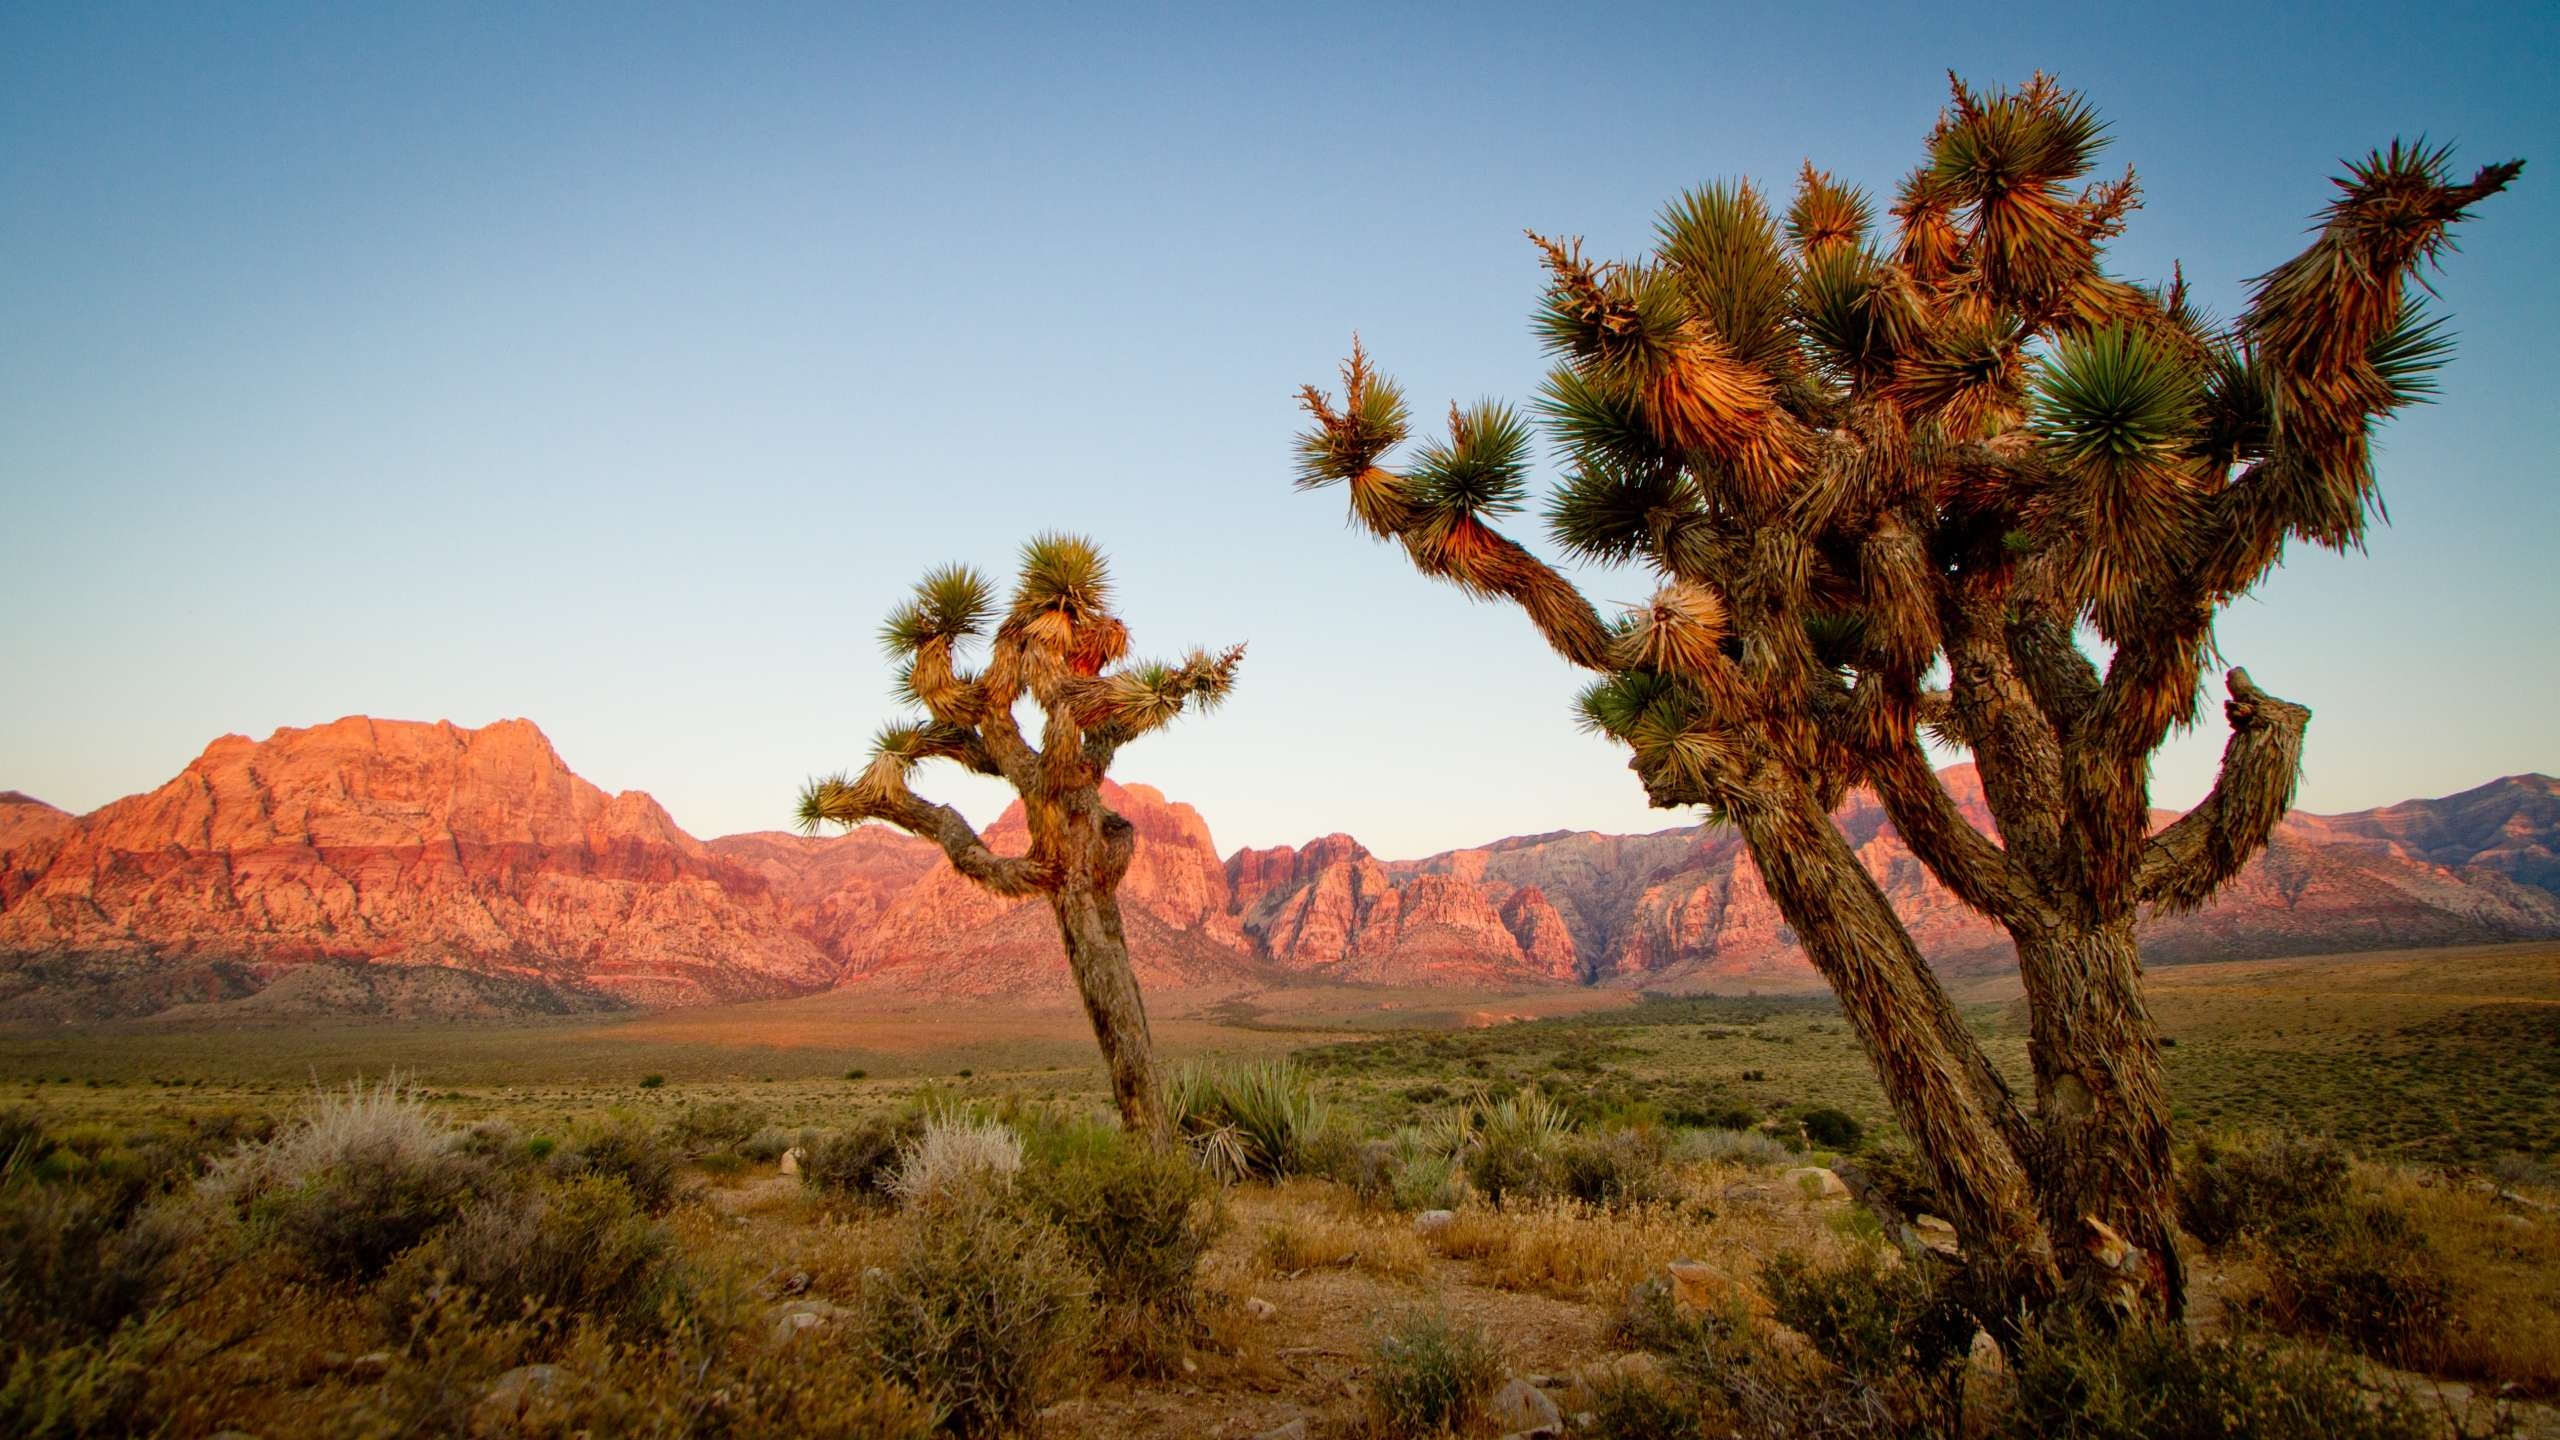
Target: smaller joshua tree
pixel 1059 645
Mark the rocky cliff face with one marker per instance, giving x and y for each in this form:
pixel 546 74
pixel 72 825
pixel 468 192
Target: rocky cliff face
pixel 354 859
pixel 389 842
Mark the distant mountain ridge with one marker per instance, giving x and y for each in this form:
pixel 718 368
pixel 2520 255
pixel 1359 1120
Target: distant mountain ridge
pixel 361 859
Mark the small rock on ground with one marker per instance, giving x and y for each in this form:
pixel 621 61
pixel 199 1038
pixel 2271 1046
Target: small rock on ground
pixel 1523 1409
pixel 1431 1222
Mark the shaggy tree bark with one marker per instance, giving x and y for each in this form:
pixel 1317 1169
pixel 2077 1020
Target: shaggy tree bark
pixel 1059 646
pixel 1856 466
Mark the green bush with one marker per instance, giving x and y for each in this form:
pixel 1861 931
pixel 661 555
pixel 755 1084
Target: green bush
pixel 985 1314
pixel 624 1148
pixel 718 1125
pixel 352 1218
pixel 1142 1218
pixel 769 1144
pixel 584 1249
pixel 1869 1318
pixel 96 1388
pixel 1624 1167
pixel 2361 1272
pixel 2236 1186
pixel 1405 1174
pixel 2160 1384
pixel 1512 1154
pixel 861 1162
pixel 1632 1407
pixel 1429 1375
pixel 73 1268
pixel 1252 1118
pixel 1829 1128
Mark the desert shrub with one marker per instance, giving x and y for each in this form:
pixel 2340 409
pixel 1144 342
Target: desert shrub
pixel 1143 1218
pixel 97 1387
pixel 1405 1174
pixel 2232 1187
pixel 1894 1176
pixel 717 1125
pixel 1429 1375
pixel 626 1149
pixel 1702 1349
pixel 364 1175
pixel 1252 1118
pixel 1830 1128
pixel 73 1267
pixel 1637 1407
pixel 1744 1147
pixel 1514 1150
pixel 861 1162
pixel 957 1156
pixel 494 1140
pixel 984 1314
pixel 768 1144
pixel 2148 1383
pixel 1892 1333
pixel 2359 1271
pixel 1624 1167
pixel 22 1138
pixel 584 1248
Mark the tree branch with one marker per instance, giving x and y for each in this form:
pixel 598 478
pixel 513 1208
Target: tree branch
pixel 1964 859
pixel 2187 862
pixel 881 793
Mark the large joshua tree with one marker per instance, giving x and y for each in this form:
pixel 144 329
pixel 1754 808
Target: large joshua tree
pixel 1058 645
pixel 1952 481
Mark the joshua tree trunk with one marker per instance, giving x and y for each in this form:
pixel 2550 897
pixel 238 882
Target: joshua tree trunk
pixel 1098 953
pixel 1059 645
pixel 2103 1108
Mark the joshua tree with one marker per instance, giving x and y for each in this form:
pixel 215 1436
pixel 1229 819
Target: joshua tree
pixel 1890 486
pixel 1059 645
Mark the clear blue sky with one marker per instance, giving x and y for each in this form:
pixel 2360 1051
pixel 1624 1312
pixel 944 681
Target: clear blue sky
pixel 618 368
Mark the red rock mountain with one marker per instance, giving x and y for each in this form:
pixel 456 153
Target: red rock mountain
pixel 414 868
pixel 384 841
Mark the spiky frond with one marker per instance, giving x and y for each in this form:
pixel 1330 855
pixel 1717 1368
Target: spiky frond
pixel 827 800
pixel 2409 355
pixel 1826 213
pixel 1346 442
pixel 1722 244
pixel 950 603
pixel 1064 573
pixel 2113 397
pixel 1593 410
pixel 1150 694
pixel 1680 631
pixel 1611 513
pixel 1846 308
pixel 1482 468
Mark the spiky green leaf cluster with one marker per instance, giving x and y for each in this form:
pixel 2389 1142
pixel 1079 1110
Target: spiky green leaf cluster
pixel 1481 469
pixel 2114 397
pixel 1062 572
pixel 951 603
pixel 1724 250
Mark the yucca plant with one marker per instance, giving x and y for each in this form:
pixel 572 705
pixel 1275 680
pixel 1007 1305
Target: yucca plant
pixel 1890 486
pixel 1247 1118
pixel 1058 644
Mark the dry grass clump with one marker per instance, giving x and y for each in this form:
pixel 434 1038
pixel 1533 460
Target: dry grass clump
pixel 957 1157
pixel 2498 1254
pixel 1324 1240
pixel 1571 1250
pixel 1429 1375
pixel 2160 1384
